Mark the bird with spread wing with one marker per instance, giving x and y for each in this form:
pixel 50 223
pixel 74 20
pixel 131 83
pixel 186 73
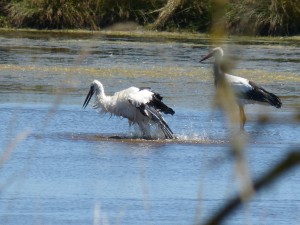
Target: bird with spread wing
pixel 140 106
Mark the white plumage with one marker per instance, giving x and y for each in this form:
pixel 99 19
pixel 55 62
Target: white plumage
pixel 246 92
pixel 140 106
pixel 240 87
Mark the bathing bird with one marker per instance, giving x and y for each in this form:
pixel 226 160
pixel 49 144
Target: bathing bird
pixel 140 106
pixel 245 91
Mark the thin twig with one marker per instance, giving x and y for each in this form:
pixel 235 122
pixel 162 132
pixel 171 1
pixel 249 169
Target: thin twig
pixel 292 160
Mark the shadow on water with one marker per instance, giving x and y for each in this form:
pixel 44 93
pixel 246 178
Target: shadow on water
pixel 179 139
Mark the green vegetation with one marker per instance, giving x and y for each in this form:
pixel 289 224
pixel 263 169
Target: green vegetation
pixel 255 17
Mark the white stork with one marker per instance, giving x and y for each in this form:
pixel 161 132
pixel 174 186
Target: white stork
pixel 246 92
pixel 140 106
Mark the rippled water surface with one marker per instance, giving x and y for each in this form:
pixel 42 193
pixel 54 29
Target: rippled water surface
pixel 61 164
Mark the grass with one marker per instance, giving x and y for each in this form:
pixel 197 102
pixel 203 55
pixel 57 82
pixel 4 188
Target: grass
pixel 251 17
pixel 54 14
pixel 268 17
pixel 96 14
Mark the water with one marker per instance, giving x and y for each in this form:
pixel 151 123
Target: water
pixel 60 166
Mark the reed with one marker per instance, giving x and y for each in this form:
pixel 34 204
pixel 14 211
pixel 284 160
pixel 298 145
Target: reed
pixel 88 14
pixel 189 15
pixel 268 17
pixel 51 14
pixel 3 18
pixel 140 11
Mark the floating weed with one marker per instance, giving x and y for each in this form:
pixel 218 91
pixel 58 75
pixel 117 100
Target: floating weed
pixel 202 73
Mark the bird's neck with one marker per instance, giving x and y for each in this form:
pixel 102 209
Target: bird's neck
pixel 100 92
pixel 100 97
pixel 218 73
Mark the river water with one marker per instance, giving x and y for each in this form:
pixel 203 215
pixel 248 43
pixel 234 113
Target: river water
pixel 59 164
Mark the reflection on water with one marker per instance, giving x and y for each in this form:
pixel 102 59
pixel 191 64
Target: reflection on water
pixel 75 164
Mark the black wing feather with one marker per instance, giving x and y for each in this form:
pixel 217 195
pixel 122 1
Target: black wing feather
pixel 260 94
pixel 156 117
pixel 156 102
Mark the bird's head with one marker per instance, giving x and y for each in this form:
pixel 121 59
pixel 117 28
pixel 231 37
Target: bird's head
pixel 96 87
pixel 216 52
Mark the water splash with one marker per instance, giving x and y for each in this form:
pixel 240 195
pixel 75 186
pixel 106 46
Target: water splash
pixel 199 138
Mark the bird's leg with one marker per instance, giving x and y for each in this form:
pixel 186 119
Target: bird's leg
pixel 242 117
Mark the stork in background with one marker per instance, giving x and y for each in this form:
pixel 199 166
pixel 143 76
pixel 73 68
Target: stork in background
pixel 245 91
pixel 140 106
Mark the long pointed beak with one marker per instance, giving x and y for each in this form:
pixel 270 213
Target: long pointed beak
pixel 207 57
pixel 88 98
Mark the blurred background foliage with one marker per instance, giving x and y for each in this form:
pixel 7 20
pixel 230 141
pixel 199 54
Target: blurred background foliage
pixel 246 17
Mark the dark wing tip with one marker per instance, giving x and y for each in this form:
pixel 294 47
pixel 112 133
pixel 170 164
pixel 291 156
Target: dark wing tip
pixel 260 94
pixel 170 111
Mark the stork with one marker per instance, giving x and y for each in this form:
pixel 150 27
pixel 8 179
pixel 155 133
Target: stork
pixel 140 106
pixel 246 92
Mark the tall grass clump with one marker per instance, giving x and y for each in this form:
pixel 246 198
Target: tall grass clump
pixel 51 14
pixel 141 11
pixel 91 14
pixel 267 17
pixel 95 14
pixel 3 18
pixel 184 14
pixel 258 17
